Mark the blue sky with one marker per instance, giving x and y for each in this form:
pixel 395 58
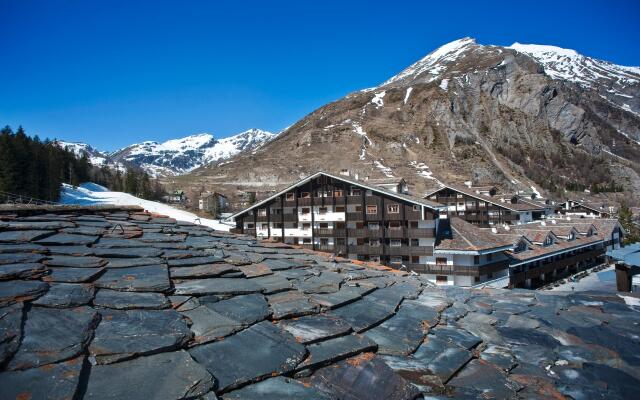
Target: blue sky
pixel 113 73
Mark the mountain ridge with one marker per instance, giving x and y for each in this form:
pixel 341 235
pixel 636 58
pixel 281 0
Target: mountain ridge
pixel 465 112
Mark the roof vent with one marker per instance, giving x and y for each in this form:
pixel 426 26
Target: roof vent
pixel 494 230
pixel 506 227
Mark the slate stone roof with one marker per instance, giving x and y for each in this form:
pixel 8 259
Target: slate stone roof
pixel 525 206
pixel 459 235
pixel 99 304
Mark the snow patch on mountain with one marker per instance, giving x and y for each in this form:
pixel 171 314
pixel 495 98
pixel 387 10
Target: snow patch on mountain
pixel 434 63
pixel 96 157
pixel 566 64
pixel 378 99
pixel 90 194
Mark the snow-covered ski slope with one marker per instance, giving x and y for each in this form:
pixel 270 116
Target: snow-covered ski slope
pixel 91 193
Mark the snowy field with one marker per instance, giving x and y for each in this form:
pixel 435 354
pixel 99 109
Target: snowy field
pixel 90 193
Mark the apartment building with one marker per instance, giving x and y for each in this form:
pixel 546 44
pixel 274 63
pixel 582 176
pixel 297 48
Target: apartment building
pixel 348 217
pixel 585 209
pixel 483 207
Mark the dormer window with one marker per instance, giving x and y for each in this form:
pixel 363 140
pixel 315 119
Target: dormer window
pixel 522 246
pixel 572 236
pixel 548 241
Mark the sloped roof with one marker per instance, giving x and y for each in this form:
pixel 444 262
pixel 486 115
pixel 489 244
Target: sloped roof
pixel 102 303
pixel 493 200
pixel 464 236
pixel 412 199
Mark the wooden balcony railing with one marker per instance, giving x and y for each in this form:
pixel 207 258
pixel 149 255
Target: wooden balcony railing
pixel 365 249
pixel 365 233
pixel 328 232
pixel 395 233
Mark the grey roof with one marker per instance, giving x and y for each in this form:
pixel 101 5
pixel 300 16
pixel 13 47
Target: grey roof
pixel 132 298
pixel 412 199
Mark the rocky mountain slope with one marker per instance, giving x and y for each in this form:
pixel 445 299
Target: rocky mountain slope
pixel 521 116
pixel 176 156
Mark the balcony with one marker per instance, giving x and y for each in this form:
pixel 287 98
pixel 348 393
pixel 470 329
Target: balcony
pixel 421 232
pixel 250 232
pixel 290 217
pixel 405 250
pixel 446 269
pixel 354 199
pixel 304 201
pixel 395 233
pixel 354 216
pixel 410 214
pixel 373 217
pixel 366 249
pixel 365 233
pixel 328 232
pixel 261 218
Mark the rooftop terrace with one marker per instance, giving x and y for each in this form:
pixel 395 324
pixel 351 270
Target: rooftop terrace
pixel 117 303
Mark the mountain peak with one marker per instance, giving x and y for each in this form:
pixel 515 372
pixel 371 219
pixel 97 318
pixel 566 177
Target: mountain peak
pixel 433 63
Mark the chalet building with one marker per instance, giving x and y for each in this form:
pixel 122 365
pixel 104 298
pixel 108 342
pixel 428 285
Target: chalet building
pixel 347 217
pixel 213 203
pixel 585 209
pixel 358 220
pixel 542 254
pixel 481 208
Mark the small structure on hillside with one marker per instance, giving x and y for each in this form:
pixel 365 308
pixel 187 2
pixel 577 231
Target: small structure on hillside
pixel 176 197
pixel 213 203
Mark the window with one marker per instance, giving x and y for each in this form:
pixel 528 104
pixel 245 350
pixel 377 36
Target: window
pixel 339 208
pixel 262 212
pixel 374 226
pixel 337 193
pixel 369 193
pixel 476 260
pixel 458 195
pixel 290 196
pixel 250 226
pixel 276 211
pixel 372 209
pixel 413 224
pixel 358 208
pixel 356 192
pixel 322 210
pixel 305 195
pixel 306 226
pixel 460 204
pixel 393 208
pixel 324 242
pixel 395 260
pixel 278 225
pixel 415 242
pixel 394 225
pixel 324 225
pixel 416 207
pixel 476 279
pixel 441 261
pixel 548 241
pixel 441 279
pixel 341 241
pixel 306 210
pixel 306 240
pixel 374 242
pixel 265 226
pixel 489 257
pixel 395 243
pixel 415 259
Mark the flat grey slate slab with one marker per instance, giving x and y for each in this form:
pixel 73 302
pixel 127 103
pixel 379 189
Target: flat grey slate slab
pixel 10 330
pixel 39 225
pixel 457 336
pixel 66 239
pixel 291 304
pixel 363 314
pixel 119 300
pixel 201 271
pixel 401 334
pixel 72 275
pixel 15 258
pixel 133 252
pixel 272 283
pixel 75 261
pixel 364 376
pixel 259 351
pixel 79 250
pixel 246 309
pixel 313 328
pixel 278 388
pixel 487 378
pixel 22 248
pixel 191 261
pixel 344 296
pixel 23 236
pixel 133 262
pixel 254 270
pixel 21 271
pixel 139 378
pixel 66 295
pixel 15 291
pixel 336 349
pixel 51 335
pixel 148 278
pixel 209 325
pixel 124 334
pixel 222 286
pixel 55 382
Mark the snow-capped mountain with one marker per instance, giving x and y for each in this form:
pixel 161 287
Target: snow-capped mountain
pixel 178 156
pixel 175 156
pixel 517 116
pixel 95 156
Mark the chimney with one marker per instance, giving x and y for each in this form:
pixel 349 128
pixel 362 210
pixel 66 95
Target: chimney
pixel 494 230
pixel 356 176
pixel 468 184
